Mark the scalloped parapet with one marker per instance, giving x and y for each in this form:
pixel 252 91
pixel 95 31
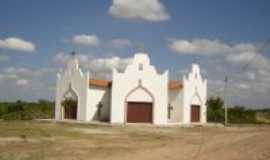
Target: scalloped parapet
pixel 140 62
pixel 73 80
pixel 195 93
pixel 142 80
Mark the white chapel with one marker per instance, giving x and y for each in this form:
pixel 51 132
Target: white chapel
pixel 139 94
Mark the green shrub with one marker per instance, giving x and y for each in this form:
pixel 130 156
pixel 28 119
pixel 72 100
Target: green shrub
pixel 215 112
pixel 26 110
pixel 239 114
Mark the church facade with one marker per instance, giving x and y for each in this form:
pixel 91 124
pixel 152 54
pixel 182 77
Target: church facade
pixel 138 95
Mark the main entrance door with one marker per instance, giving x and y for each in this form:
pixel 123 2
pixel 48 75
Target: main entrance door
pixel 139 112
pixel 195 113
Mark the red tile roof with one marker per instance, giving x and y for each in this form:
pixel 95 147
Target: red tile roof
pixel 100 82
pixel 173 84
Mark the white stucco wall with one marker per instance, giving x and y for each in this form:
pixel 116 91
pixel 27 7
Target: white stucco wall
pixel 176 101
pixel 139 95
pixel 195 92
pixel 99 95
pixel 73 79
pixel 147 78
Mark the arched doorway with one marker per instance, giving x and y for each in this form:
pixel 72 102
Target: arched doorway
pixel 69 105
pixel 70 108
pixel 139 106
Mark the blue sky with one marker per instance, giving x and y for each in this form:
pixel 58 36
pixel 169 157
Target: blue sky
pixel 223 36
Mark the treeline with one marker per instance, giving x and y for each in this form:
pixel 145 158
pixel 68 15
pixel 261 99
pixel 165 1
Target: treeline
pixel 43 109
pixel 21 110
pixel 236 114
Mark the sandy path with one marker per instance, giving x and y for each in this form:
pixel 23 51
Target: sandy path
pixel 47 141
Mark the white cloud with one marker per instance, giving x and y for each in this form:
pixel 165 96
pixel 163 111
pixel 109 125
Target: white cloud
pixel 18 44
pixel 13 73
pixel 240 57
pixel 86 40
pixel 240 53
pixel 244 86
pixel 98 67
pixel 18 83
pixel 209 47
pixel 102 67
pixel 22 82
pixel 38 81
pixel 4 58
pixel 25 71
pixel 107 64
pixel 147 10
pixel 61 58
pixel 8 76
pixel 120 43
pixel 250 75
pixel 247 68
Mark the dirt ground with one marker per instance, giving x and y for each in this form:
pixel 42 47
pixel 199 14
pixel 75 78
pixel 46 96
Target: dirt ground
pixel 50 141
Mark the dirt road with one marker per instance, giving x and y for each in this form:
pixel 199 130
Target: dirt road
pixel 32 140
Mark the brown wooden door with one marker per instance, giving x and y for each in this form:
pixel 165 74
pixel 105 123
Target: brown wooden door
pixel 71 112
pixel 139 112
pixel 195 113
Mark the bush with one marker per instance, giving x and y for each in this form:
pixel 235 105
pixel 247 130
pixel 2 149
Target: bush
pixel 26 110
pixel 215 112
pixel 239 114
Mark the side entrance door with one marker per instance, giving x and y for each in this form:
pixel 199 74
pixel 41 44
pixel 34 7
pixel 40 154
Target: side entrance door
pixel 195 113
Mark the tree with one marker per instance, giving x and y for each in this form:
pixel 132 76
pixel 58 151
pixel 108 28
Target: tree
pixel 21 110
pixel 215 111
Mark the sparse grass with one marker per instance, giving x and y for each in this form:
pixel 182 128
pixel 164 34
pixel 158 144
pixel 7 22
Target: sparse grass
pixel 35 140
